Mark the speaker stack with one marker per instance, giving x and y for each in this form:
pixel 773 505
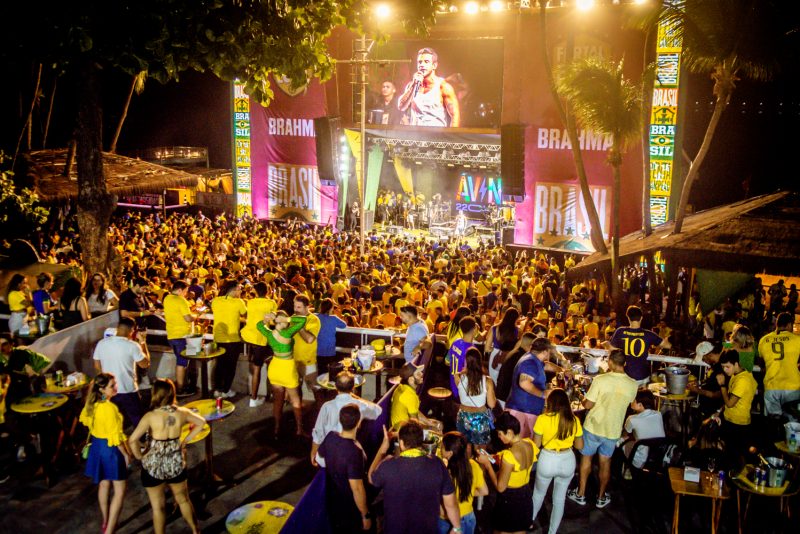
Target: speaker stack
pixel 512 159
pixel 328 130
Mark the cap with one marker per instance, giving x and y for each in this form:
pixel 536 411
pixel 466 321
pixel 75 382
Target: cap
pixel 703 348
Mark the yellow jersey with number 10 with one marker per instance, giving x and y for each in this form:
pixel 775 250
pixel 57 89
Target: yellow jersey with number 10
pixel 780 351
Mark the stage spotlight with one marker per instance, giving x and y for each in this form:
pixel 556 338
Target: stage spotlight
pixel 496 5
pixel 453 8
pixel 472 8
pixel 382 11
pixel 639 1
pixel 585 5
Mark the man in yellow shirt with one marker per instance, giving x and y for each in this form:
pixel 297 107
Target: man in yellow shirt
pixel 405 401
pixel 179 321
pixel 780 351
pixel 255 342
pixel 305 346
pixel 228 310
pixel 737 398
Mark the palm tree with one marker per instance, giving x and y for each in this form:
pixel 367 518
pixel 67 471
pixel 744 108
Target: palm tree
pixel 137 85
pixel 730 40
pixel 596 231
pixel 606 102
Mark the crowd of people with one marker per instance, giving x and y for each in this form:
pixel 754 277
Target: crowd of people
pixel 279 294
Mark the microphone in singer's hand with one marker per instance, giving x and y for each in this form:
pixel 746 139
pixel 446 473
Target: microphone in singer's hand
pixel 417 83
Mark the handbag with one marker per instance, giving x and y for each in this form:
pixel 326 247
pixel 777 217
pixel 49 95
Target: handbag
pixel 88 444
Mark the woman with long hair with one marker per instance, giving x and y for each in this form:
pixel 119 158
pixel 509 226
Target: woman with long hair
pixel 108 460
pixel 18 298
pixel 476 395
pixel 501 339
pixel 282 371
pixel 99 298
pixel 744 343
pixel 467 478
pixel 514 507
pixel 72 308
pixel 555 432
pixel 165 460
pixel 453 331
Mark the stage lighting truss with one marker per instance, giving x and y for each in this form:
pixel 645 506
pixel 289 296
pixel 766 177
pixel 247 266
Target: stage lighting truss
pixel 442 152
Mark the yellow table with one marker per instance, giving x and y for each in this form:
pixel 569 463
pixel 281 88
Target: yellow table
pixel 207 409
pixel 41 403
pixel 783 447
pixel 199 437
pixel 203 358
pixel 261 516
pixel 51 386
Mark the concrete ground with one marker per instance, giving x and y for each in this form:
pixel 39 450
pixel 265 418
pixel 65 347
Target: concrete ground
pixel 254 467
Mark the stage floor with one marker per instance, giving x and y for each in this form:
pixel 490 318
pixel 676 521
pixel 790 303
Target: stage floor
pixel 443 236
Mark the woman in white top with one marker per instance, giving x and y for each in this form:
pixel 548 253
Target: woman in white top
pixel 99 298
pixel 476 394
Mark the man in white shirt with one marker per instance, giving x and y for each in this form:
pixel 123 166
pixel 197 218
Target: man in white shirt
pixel 328 418
pixel 646 423
pixel 120 355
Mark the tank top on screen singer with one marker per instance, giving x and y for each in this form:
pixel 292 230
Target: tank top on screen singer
pixel 427 109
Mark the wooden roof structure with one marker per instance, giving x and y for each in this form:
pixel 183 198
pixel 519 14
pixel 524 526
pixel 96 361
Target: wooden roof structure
pixel 124 176
pixel 760 234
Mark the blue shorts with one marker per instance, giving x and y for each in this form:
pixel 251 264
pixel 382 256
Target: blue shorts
pixel 594 444
pixel 179 345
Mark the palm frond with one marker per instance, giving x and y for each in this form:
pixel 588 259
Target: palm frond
pixel 139 84
pixel 602 98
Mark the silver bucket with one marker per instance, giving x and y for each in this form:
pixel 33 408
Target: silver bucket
pixel 43 322
pixel 776 475
pixel 677 379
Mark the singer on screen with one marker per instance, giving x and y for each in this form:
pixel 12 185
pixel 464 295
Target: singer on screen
pixel 429 99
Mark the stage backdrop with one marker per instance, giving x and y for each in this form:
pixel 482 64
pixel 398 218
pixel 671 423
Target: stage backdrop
pixel 285 181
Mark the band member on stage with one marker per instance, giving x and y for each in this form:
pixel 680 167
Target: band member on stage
pixel 461 223
pixel 429 99
pixel 355 214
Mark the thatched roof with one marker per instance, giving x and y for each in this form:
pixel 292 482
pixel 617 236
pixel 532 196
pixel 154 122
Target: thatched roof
pixel 760 234
pixel 124 176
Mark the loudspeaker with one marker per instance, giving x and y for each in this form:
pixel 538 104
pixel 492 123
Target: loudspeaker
pixel 512 159
pixel 327 131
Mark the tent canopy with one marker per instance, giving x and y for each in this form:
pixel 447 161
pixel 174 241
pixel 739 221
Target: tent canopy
pixel 124 176
pixel 760 234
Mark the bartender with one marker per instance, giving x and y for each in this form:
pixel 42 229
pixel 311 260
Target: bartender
pixel 708 391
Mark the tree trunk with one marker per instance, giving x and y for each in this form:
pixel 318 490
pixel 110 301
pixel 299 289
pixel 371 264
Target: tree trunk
pixel 113 148
pixel 722 89
pixel 29 118
pixel 49 112
pixel 616 286
pixel 95 205
pixel 594 220
pixel 648 83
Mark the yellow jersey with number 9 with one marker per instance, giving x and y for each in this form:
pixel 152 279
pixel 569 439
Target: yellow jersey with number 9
pixel 780 351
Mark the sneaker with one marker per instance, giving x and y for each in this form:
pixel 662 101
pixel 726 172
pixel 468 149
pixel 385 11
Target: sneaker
pixel 603 501
pixel 574 497
pixel 254 403
pixel 229 395
pixel 185 392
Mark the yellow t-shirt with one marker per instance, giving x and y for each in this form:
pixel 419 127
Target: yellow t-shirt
pixel 105 422
pixel 611 393
pixel 465 507
pixel 519 477
pixel 547 426
pixel 306 353
pixel 176 308
pixel 227 312
pixel 405 405
pixel 780 352
pixel 743 386
pixel 16 301
pixel 257 308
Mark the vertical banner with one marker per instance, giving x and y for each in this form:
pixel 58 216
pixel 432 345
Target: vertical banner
pixel 663 121
pixel 285 180
pixel 241 149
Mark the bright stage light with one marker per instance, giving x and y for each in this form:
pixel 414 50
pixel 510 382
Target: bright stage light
pixel 471 8
pixel 585 5
pixel 382 11
pixel 639 1
pixel 496 5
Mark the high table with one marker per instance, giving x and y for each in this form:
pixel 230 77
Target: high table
pixel 261 516
pixel 40 403
pixel 207 409
pixel 680 402
pixel 203 358
pixel 73 389
pixel 744 484
pixel 705 488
